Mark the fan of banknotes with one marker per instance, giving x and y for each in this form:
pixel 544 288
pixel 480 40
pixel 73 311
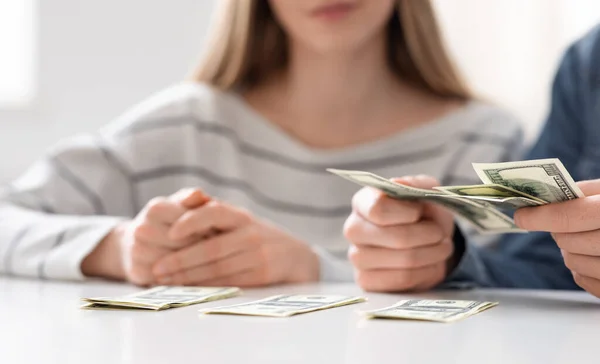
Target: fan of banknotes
pixel 506 187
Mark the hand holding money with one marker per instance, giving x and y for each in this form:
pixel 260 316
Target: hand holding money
pixel 575 226
pixel 399 245
pixel 245 251
pixel 507 186
pixel 511 185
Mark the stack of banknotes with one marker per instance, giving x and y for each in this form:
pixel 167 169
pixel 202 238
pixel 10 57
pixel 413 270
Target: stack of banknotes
pixel 506 187
pixel 162 298
pixel 431 310
pixel 285 305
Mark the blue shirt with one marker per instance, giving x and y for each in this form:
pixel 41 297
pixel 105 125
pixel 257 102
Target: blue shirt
pixel 572 134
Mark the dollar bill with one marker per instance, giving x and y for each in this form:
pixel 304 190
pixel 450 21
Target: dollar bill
pixel 498 196
pixel 162 297
pixel 502 204
pixel 391 188
pixel 485 218
pixel 431 310
pixel 545 179
pixel 285 305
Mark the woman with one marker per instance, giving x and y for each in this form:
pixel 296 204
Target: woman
pixel 286 89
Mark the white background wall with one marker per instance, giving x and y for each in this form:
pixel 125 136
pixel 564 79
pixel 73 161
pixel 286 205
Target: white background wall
pixel 509 49
pixel 96 58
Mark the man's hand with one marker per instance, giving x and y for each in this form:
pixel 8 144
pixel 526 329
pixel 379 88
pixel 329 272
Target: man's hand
pixel 399 245
pixel 575 226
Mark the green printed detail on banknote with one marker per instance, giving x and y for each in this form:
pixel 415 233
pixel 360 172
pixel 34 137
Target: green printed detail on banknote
pixel 285 305
pixel 161 298
pixel 486 190
pixel 545 179
pixel 431 310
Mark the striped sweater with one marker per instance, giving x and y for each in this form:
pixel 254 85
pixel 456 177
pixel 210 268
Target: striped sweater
pixel 192 135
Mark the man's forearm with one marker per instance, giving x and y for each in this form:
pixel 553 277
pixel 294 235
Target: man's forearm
pixel 528 261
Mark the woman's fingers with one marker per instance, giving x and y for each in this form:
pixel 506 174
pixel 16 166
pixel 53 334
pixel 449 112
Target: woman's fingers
pixel 203 252
pixel 222 268
pixel 213 215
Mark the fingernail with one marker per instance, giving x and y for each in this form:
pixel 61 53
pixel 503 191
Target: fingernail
pixel 195 198
pixel 181 194
pixel 191 192
pixel 187 191
pixel 517 219
pixel 406 180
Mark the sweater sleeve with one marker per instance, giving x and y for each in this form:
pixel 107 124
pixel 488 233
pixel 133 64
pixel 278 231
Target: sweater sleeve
pixel 54 215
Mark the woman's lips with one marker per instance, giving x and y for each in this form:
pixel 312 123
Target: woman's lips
pixel 333 11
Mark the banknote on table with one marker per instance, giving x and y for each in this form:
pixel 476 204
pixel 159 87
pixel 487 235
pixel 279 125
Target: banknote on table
pixel 162 297
pixel 285 305
pixel 431 310
pixel 485 218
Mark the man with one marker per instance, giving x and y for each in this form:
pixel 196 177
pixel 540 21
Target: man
pixel 400 245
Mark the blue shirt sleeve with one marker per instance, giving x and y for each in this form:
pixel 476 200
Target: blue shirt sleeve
pixel 533 260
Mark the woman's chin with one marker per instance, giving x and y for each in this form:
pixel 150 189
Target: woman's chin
pixel 336 44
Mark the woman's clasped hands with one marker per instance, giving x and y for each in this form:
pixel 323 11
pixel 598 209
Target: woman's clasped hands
pixel 189 238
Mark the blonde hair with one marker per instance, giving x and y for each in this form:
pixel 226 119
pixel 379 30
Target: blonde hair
pixel 248 44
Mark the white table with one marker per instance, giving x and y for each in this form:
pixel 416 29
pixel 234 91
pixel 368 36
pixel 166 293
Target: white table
pixel 40 322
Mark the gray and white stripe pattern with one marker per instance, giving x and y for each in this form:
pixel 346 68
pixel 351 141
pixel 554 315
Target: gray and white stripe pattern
pixel 193 136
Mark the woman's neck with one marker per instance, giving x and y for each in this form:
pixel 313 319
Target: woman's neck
pixel 326 85
pixel 339 99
